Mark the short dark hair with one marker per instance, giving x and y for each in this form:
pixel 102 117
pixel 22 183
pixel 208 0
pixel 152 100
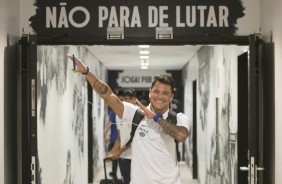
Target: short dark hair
pixel 129 92
pixel 166 79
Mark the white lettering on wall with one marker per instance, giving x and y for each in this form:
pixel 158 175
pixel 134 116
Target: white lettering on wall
pixel 51 17
pixel 163 16
pixel 214 19
pixel 103 15
pixel 123 16
pixel 86 13
pixel 157 16
pixel 211 20
pixel 111 15
pixel 223 15
pixel 202 15
pixel 153 16
pixel 64 18
pixel 137 79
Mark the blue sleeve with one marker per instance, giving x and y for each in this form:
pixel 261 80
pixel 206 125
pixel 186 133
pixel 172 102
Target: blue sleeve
pixel 112 116
pixel 114 131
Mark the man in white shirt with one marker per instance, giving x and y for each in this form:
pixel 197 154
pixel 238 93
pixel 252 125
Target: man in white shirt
pixel 153 147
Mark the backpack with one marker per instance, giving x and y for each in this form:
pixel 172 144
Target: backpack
pixel 138 116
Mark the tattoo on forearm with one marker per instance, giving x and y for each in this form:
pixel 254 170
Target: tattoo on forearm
pixel 118 101
pixel 100 87
pixel 172 130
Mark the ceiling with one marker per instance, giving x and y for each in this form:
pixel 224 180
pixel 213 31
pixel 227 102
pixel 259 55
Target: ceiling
pixel 160 57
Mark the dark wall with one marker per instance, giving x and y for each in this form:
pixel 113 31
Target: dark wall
pixel 177 76
pixel 11 72
pixel 269 113
pixel 112 78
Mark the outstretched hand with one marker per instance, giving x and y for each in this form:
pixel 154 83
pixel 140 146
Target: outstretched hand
pixel 79 65
pixel 148 113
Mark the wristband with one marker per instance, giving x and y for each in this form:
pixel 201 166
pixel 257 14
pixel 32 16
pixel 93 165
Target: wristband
pixel 156 117
pixel 87 70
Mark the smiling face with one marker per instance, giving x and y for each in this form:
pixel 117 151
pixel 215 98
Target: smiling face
pixel 160 96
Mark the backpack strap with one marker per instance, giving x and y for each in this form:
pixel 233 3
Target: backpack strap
pixel 138 116
pixel 172 117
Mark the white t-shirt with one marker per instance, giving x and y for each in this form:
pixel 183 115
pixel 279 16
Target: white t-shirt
pixel 153 152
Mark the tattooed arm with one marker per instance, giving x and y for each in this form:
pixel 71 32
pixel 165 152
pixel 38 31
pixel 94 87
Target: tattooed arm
pixel 179 133
pixel 106 93
pixel 101 88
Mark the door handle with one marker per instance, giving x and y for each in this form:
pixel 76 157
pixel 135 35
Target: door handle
pixel 247 168
pixel 252 171
pixel 244 168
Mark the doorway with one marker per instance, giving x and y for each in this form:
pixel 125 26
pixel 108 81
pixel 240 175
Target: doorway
pixel 98 117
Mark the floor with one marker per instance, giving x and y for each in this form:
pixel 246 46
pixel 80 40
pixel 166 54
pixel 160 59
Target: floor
pixel 185 174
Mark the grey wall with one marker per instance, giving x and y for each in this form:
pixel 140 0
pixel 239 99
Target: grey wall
pixel 215 70
pixel 271 29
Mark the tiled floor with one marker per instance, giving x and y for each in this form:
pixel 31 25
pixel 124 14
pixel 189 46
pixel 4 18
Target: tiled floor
pixel 185 174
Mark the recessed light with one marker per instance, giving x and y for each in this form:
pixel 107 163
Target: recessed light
pixel 144 57
pixel 144 52
pixel 144 64
pixel 144 67
pixel 145 61
pixel 144 46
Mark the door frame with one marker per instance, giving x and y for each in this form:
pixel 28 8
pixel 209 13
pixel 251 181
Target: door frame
pixel 194 131
pixel 28 171
pixel 29 85
pixel 255 105
pixel 255 112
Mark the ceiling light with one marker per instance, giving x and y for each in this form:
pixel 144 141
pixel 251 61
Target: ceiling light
pixel 144 52
pixel 145 61
pixel 144 46
pixel 144 64
pixel 144 67
pixel 144 57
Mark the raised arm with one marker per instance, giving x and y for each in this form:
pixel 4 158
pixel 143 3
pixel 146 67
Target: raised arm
pixel 101 88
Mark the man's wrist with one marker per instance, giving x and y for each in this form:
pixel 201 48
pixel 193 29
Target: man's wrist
pixel 156 117
pixel 86 72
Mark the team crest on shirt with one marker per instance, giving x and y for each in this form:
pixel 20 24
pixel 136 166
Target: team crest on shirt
pixel 143 131
pixel 142 134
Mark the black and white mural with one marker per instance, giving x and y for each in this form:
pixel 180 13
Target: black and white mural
pixel 62 116
pixel 215 70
